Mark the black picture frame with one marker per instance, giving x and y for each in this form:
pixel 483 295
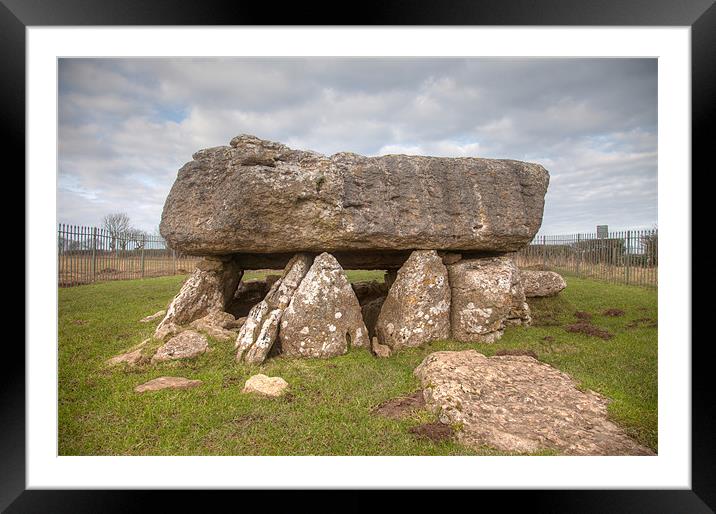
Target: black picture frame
pixel 700 15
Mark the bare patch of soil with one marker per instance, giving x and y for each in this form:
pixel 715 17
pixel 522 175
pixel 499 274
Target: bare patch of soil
pixel 583 315
pixel 614 313
pixel 397 408
pixel 518 351
pixel 588 329
pixel 643 323
pixel 434 431
pixel 549 339
pixel 80 321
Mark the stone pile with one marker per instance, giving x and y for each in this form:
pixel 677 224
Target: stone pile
pixel 443 228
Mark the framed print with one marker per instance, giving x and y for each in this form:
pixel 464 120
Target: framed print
pixel 419 251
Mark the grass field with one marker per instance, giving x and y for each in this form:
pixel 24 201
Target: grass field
pixel 328 410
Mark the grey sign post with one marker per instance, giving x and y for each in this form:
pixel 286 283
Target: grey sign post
pixel 602 231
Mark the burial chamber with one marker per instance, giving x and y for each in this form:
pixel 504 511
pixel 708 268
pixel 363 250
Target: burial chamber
pixel 443 228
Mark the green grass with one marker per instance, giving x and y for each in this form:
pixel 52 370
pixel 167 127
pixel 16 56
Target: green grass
pixel 328 409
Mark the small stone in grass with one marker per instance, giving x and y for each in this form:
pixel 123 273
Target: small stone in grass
pixel 267 386
pixel 167 383
pixel 186 345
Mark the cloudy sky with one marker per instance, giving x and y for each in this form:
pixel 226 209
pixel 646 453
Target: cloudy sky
pixel 127 125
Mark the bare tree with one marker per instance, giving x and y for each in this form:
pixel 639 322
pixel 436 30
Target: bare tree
pixel 137 237
pixel 117 225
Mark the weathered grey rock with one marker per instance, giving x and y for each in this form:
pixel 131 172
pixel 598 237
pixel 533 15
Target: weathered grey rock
pixel 153 317
pixel 541 283
pixel 185 345
pixel 379 350
pixel 209 288
pixel 258 333
pixel 167 383
pixel 248 294
pixel 369 290
pixel 323 318
pixel 370 312
pixel 236 199
pixel 486 296
pixel 417 308
pixel 216 324
pixel 131 357
pixel 264 385
pixel 518 404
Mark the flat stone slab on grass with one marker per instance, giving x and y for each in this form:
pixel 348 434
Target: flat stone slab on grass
pixel 167 383
pixel 185 345
pixel 265 385
pixel 518 404
pixel 131 357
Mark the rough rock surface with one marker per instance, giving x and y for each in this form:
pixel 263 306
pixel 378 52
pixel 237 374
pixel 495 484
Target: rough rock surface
pixel 209 288
pixel 234 199
pixel 267 386
pixel 153 317
pixel 258 333
pixel 369 290
pixel 370 312
pixel 216 324
pixel 323 318
pixel 541 283
pixel 486 296
pixel 248 294
pixel 167 383
pixel 132 357
pixel 185 345
pixel 518 404
pixel 379 350
pixel 417 308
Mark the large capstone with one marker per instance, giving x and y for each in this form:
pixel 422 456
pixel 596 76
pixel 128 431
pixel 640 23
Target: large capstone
pixel 323 318
pixel 417 308
pixel 258 333
pixel 486 296
pixel 208 289
pixel 258 199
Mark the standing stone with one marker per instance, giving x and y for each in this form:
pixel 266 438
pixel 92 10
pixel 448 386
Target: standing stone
pixel 486 295
pixel 323 318
pixel 258 333
pixel 208 289
pixel 541 283
pixel 417 308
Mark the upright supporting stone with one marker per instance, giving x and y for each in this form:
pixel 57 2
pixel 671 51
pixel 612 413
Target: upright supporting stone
pixel 258 333
pixel 487 294
pixel 417 308
pixel 208 289
pixel 324 316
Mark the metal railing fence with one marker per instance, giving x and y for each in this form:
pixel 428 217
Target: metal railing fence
pixel 627 257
